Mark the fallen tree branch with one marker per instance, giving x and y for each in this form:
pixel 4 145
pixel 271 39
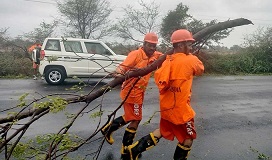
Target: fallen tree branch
pixel 220 26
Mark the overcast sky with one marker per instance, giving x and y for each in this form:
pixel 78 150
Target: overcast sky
pixel 22 16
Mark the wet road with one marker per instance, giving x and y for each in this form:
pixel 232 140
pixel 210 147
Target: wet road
pixel 233 121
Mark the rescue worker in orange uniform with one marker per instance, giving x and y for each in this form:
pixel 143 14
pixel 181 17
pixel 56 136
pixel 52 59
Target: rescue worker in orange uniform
pixel 174 80
pixel 139 58
pixel 35 59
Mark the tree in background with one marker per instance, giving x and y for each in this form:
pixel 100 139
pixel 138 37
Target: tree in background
pixel 86 18
pixel 179 18
pixel 259 46
pixel 174 20
pixel 3 38
pixel 15 50
pixel 196 25
pixel 137 21
pixel 12 60
pixel 43 31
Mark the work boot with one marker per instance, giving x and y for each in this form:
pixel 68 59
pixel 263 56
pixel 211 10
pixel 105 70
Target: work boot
pixel 181 152
pixel 127 140
pixel 111 127
pixel 142 145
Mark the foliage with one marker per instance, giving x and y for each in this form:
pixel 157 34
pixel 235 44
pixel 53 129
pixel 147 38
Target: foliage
pixel 86 18
pixel 14 64
pixel 254 58
pixel 56 104
pixel 37 147
pixel 3 37
pixel 174 20
pixel 261 44
pixel 96 114
pixel 246 61
pixel 197 25
pixel 179 18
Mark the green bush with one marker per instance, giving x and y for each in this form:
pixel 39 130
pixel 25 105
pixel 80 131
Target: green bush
pixel 12 65
pixel 248 61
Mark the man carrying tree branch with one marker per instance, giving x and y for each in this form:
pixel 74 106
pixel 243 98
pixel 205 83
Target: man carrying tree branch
pixel 136 59
pixel 174 80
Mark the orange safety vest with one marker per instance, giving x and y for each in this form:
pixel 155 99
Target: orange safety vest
pixel 136 59
pixel 31 48
pixel 174 80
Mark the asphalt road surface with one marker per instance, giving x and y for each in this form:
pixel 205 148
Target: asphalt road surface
pixel 233 121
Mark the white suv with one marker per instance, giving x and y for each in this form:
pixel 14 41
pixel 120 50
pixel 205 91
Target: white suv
pixel 68 57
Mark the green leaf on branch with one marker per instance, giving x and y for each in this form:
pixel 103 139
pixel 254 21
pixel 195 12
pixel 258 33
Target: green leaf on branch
pixel 96 114
pixel 56 104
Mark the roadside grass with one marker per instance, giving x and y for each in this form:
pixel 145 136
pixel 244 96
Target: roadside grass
pixel 20 76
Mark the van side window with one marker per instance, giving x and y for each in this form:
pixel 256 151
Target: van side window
pixel 91 47
pixel 72 46
pixel 96 48
pixel 52 45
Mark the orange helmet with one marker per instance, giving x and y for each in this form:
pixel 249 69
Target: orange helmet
pixel 181 35
pixel 151 38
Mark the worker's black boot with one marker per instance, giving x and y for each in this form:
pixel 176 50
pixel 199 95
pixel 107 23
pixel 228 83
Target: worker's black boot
pixel 142 145
pixel 111 127
pixel 181 152
pixel 127 140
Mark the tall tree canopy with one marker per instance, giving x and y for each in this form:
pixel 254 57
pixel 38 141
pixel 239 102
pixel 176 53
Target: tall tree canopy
pixel 179 18
pixel 86 18
pixel 3 37
pixel 174 20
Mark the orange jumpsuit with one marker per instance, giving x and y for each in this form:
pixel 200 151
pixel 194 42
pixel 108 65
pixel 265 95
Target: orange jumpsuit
pixel 174 80
pixel 135 59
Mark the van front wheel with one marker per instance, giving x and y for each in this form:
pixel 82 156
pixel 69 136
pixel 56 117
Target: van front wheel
pixel 54 76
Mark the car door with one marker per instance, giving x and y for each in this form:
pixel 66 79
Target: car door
pixel 76 60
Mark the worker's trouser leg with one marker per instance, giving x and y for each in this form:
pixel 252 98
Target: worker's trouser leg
pixel 127 140
pixel 142 145
pixel 181 152
pixel 111 127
